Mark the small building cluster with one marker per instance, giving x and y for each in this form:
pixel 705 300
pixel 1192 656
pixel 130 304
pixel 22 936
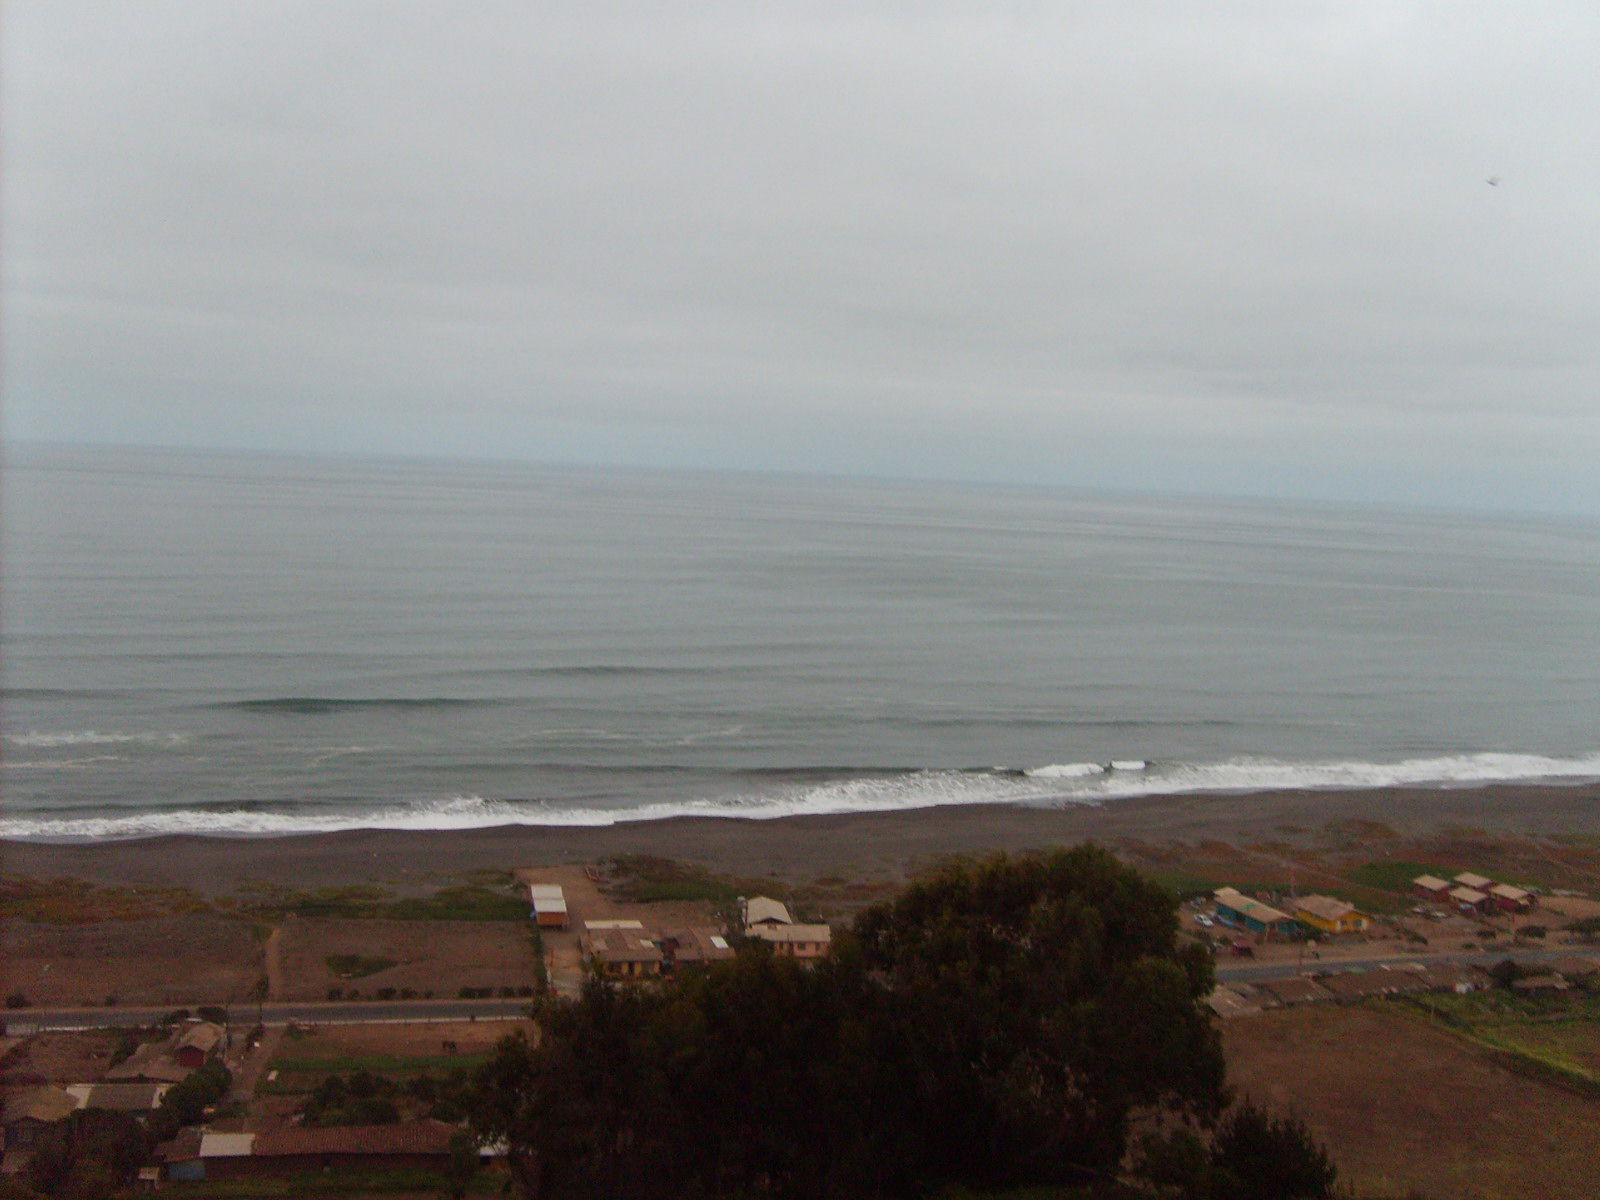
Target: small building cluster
pixel 1474 894
pixel 769 921
pixel 625 949
pixel 1241 999
pixel 136 1085
pixel 1313 914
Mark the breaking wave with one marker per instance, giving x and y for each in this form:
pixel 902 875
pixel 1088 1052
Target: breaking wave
pixel 805 795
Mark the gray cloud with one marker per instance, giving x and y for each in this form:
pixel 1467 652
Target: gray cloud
pixel 1244 248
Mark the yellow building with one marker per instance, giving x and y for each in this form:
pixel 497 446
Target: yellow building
pixel 1330 915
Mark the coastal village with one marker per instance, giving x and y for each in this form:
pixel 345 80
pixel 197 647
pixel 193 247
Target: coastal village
pixel 337 1092
pixel 259 1116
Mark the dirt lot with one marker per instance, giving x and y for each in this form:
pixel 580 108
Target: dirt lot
pixel 428 957
pixel 198 958
pixel 1562 909
pixel 60 1057
pixel 1404 1105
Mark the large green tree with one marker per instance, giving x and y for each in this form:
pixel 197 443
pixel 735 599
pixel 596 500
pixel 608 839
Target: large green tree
pixel 998 1023
pixel 1052 1000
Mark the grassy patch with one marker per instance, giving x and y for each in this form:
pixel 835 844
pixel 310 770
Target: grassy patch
pixel 77 902
pixel 646 879
pixel 1552 1038
pixel 1393 874
pixel 469 902
pixel 356 966
pixel 319 1066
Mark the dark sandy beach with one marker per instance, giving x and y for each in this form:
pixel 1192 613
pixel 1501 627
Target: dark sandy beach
pixel 860 846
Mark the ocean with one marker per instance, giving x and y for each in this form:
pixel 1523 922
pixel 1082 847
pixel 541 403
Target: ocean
pixel 251 644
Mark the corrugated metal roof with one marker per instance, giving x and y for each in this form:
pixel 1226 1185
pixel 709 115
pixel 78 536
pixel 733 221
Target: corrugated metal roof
pixel 411 1137
pixel 1432 882
pixel 545 891
pixel 1476 882
pixel 761 909
pixel 612 923
pixel 1248 906
pixel 1467 895
pixel 226 1145
pixel 203 1035
pixel 1508 891
pixel 1329 908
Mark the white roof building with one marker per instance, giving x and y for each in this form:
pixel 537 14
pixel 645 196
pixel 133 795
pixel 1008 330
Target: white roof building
pixel 764 910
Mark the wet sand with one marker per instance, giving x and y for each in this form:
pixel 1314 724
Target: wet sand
pixel 858 846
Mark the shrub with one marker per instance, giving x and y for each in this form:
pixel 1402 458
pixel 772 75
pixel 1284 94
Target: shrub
pixel 1257 1156
pixel 17 1000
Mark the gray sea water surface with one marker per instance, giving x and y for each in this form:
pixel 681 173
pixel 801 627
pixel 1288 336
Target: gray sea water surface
pixel 238 643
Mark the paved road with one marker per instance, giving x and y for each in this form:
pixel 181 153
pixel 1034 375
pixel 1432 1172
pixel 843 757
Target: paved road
pixel 1249 972
pixel 24 1020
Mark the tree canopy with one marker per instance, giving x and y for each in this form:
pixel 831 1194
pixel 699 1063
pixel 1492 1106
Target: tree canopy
pixel 998 1024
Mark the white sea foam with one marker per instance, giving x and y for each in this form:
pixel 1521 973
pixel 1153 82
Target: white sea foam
pixel 1056 784
pixel 1066 771
pixel 61 764
pixel 90 737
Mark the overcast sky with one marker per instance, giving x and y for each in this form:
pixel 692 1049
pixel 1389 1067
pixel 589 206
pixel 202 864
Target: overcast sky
pixel 1235 248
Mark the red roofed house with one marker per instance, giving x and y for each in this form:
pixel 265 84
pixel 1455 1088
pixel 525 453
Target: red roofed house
pixel 1507 898
pixel 1431 887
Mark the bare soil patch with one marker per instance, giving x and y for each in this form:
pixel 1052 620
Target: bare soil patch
pixel 1404 1105
pixel 435 958
pixel 60 1057
pixel 198 958
pixel 1565 908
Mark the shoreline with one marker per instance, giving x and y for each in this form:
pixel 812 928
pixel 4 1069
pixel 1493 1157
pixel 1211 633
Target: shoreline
pixel 880 845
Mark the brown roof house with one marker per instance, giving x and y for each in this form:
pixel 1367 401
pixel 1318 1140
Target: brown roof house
pixel 693 947
pixel 173 1060
pixel 27 1112
pixel 196 1154
pixel 197 1042
pixel 1297 989
pixel 622 953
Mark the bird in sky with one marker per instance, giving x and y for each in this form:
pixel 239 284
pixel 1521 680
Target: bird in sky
pixel 1493 181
